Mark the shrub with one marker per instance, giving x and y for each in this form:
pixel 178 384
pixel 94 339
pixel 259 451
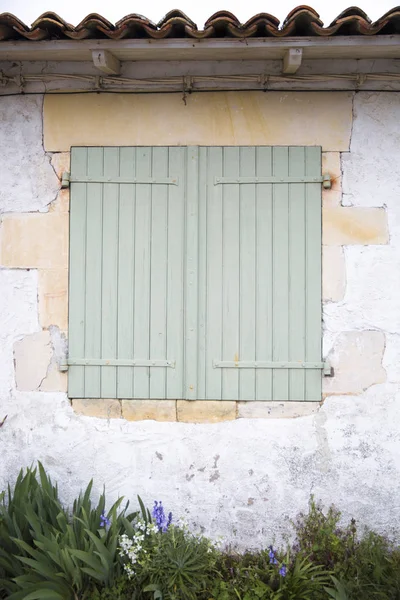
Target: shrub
pixel 363 567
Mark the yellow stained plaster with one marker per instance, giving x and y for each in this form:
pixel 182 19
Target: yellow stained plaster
pixel 208 119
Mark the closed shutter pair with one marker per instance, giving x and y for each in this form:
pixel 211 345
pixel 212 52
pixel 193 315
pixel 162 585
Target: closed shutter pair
pixel 195 273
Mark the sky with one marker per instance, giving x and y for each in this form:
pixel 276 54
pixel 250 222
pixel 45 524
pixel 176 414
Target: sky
pixel 74 11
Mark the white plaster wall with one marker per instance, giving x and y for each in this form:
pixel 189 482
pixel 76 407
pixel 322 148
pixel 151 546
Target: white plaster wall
pixel 241 479
pixel 27 180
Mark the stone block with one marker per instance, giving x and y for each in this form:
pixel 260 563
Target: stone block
pixel 362 226
pixel 32 356
pixel 61 203
pixel 149 410
pixel 331 165
pixel 276 410
pixel 53 298
pixel 34 240
pixel 55 380
pixel 101 408
pixel 245 118
pixel 205 411
pixel 357 362
pixel 333 273
pixel 61 163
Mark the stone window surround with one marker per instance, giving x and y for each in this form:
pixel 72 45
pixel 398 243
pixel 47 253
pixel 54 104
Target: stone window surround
pixel 49 233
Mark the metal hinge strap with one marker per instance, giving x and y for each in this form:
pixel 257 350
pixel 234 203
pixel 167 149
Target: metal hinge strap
pixel 114 362
pixel 253 180
pixel 127 180
pixel 259 364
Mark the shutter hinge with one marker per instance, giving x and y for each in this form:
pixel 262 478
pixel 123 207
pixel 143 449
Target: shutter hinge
pixel 326 181
pixel 65 180
pixel 63 365
pixel 328 370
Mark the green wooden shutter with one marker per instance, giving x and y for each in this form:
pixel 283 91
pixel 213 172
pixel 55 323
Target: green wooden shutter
pixel 126 272
pixel 195 273
pixel 260 274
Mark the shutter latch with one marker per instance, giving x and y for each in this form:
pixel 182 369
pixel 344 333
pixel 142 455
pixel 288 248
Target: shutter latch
pixel 65 180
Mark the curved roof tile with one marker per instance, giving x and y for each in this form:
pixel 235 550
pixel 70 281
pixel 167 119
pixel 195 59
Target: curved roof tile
pixel 301 21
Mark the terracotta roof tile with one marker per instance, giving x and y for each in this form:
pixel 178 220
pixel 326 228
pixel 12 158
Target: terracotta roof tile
pixel 300 22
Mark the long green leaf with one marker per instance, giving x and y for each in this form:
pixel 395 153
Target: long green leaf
pixel 44 594
pixel 87 558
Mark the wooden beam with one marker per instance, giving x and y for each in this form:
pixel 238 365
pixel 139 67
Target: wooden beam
pixel 340 47
pixel 106 62
pixel 292 60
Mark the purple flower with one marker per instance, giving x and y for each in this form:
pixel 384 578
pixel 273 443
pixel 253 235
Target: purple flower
pixel 162 523
pixel 272 558
pixel 104 521
pixel 282 570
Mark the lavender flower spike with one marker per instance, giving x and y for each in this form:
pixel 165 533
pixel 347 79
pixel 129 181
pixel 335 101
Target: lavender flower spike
pixel 162 523
pixel 282 570
pixel 272 557
pixel 104 521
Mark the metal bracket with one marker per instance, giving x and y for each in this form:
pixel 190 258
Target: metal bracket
pixel 65 180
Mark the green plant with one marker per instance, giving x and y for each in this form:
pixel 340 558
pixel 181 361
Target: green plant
pixel 320 537
pixel 376 571
pixel 245 576
pixel 338 592
pixel 47 552
pixel 180 565
pixel 304 580
pixel 28 496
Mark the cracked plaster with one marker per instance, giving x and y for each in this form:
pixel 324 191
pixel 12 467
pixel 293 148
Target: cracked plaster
pixel 28 181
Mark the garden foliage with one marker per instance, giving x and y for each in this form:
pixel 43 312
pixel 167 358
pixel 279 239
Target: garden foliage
pixel 88 553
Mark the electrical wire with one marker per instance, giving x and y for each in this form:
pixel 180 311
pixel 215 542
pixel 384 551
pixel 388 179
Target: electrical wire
pixel 187 83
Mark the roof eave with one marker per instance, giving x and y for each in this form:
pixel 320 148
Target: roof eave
pixel 345 47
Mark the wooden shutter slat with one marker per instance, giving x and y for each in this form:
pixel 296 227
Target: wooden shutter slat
pixel 175 279
pixel 211 242
pixel 264 294
pixel 297 273
pixel 313 268
pixel 142 273
pixel 230 273
pixel 158 271
pixel 247 266
pixel 126 272
pixel 94 276
pixel 202 296
pixel 191 273
pixel 109 297
pixel 280 282
pixel 77 273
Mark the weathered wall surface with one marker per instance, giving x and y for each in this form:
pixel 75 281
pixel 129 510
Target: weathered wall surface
pixel 239 477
